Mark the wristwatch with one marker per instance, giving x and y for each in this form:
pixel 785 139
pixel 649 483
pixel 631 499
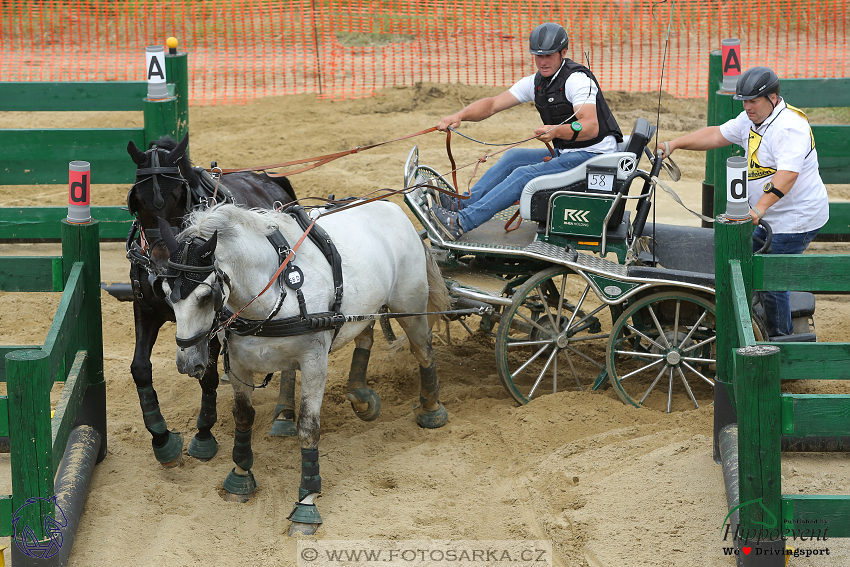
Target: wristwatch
pixel 769 188
pixel 576 126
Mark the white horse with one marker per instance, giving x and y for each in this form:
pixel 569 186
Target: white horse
pixel 224 258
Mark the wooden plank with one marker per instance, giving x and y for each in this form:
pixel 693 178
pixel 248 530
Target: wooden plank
pixel 814 361
pixel 66 409
pixel 97 96
pixel 816 415
pixel 41 156
pixel 4 416
pixel 802 272
pixel 29 273
pixel 64 336
pixel 6 512
pixel 741 304
pixel 830 514
pixel 832 142
pixel 6 349
pixel 43 223
pixel 816 93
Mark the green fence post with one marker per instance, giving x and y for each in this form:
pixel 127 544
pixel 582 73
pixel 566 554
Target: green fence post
pixel 177 73
pixel 160 119
pixel 715 77
pixel 759 437
pixel 80 243
pixel 28 384
pixel 732 240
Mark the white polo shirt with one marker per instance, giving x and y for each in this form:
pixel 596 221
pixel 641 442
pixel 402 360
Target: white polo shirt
pixel 783 141
pixel 579 90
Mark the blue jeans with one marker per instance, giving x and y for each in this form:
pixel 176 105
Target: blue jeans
pixel 777 304
pixel 501 186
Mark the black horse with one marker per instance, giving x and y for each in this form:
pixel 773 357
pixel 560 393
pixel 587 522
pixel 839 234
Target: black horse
pixel 168 187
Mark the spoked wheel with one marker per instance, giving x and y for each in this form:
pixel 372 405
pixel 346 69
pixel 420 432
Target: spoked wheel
pixel 545 342
pixel 661 353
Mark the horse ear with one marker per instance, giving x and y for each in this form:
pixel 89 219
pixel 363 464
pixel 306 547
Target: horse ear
pixel 167 236
pixel 179 151
pixel 135 153
pixel 206 249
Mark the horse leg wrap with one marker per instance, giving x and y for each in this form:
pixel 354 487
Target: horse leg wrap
pixel 310 479
pixel 167 445
pixel 357 392
pixel 359 364
pixel 203 445
pixel 430 395
pixel 208 415
pixel 429 386
pixel 242 453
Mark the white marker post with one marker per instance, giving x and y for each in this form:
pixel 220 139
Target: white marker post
pixel 79 196
pixel 155 60
pixel 731 63
pixel 737 206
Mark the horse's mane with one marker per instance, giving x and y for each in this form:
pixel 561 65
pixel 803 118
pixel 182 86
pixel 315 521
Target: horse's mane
pixel 232 221
pixel 168 143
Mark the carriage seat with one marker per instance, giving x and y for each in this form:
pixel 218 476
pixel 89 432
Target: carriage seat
pixel 534 200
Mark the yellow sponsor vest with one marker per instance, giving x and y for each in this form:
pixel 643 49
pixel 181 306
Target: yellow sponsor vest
pixel 755 170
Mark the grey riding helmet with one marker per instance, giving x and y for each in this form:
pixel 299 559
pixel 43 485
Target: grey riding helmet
pixel 756 82
pixel 548 38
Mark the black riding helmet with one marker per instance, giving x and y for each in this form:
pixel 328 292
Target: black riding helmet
pixel 548 38
pixel 756 82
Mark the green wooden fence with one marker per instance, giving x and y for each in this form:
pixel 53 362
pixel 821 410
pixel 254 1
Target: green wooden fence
pixel 41 156
pixel 71 353
pixel 832 141
pixel 765 416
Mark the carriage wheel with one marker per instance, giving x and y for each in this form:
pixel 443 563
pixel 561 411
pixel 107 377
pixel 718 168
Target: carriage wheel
pixel 545 342
pixel 663 343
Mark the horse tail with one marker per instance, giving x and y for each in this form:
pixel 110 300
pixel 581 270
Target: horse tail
pixel 438 293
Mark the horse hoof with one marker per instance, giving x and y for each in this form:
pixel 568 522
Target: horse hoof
pixel 171 454
pixel 224 378
pixel 305 516
pixel 306 529
pixel 202 449
pixel 283 428
pixel 365 402
pixel 432 419
pixel 239 487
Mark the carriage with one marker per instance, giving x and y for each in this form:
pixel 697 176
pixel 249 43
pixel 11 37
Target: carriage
pixel 584 287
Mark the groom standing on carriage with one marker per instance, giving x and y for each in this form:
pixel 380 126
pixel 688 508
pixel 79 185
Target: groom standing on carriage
pixel 576 120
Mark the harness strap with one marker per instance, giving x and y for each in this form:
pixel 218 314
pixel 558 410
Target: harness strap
pixel 323 241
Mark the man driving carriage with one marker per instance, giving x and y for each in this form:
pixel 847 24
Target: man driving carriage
pixel 784 185
pixel 576 120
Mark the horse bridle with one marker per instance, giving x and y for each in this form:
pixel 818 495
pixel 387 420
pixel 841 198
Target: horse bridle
pixel 185 271
pixel 152 173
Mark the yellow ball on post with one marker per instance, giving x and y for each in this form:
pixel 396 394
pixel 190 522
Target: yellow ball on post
pixel 171 42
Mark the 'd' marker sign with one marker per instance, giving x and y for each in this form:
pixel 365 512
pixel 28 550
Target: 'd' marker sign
pixel 79 195
pixel 155 60
pixel 731 63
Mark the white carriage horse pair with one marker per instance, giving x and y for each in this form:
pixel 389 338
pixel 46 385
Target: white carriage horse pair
pixel 224 258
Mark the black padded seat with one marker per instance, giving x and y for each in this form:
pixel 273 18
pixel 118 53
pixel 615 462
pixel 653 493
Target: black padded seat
pixel 797 338
pixel 682 276
pixel 687 248
pixel 802 305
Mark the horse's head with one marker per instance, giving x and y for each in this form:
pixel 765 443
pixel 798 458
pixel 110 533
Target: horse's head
pixel 196 289
pixel 161 187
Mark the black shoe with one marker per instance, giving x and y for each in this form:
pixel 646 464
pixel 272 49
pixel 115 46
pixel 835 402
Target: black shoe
pixel 447 202
pixel 447 221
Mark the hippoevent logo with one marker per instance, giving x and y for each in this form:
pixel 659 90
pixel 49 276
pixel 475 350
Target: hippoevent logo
pixel 575 216
pixel 769 531
pixel 25 537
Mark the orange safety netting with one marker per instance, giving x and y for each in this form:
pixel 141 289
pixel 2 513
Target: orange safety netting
pixel 242 49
